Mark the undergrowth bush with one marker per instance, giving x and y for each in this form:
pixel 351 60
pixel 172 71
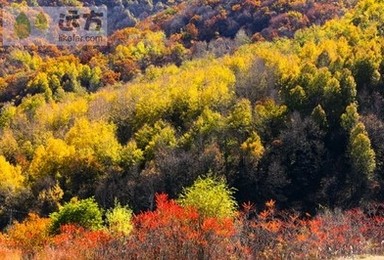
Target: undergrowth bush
pixel 85 213
pixel 173 231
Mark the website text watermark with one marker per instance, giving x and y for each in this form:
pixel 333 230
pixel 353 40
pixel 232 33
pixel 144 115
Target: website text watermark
pixel 55 25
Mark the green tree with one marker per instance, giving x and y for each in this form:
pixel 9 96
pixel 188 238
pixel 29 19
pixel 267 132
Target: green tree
pixel 333 99
pixel 297 97
pixel 269 118
pixel 149 138
pixel 119 220
pixel 365 71
pixel 320 117
pixel 211 197
pixel 7 112
pixel 205 129
pixel 348 86
pixel 363 164
pixel 90 78
pixel 85 213
pixel 361 152
pixel 350 117
pixel 40 84
pixel 131 155
pixel 241 116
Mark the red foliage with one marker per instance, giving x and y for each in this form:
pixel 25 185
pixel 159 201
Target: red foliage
pixel 87 239
pixel 181 231
pixel 175 232
pixel 75 242
pixel 281 235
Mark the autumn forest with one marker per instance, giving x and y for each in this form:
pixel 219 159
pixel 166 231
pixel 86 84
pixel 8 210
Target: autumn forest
pixel 203 129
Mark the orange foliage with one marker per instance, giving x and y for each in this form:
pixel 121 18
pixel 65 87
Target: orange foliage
pixel 75 242
pixel 110 77
pixel 236 7
pixel 172 232
pixel 192 31
pixel 6 252
pixel 30 235
pixel 84 239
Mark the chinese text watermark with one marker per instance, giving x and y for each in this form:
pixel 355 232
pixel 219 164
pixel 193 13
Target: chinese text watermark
pixel 55 25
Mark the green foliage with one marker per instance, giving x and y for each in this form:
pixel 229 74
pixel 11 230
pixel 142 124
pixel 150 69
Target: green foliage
pixel 361 152
pixel 40 84
pixel 7 113
pixel 348 86
pixel 366 65
pixel 131 154
pixel 211 197
pixel 31 104
pixel 350 118
pixel 70 2
pixel 241 116
pixel 297 97
pixel 208 122
pixel 119 220
pixel 28 60
pixel 320 117
pixel 41 22
pixel 85 213
pixel 269 117
pixel 149 138
pixel 90 78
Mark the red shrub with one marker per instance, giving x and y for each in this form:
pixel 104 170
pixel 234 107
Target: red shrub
pixel 75 242
pixel 174 232
pixel 281 235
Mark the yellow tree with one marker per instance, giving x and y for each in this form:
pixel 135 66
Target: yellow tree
pixel 11 186
pixel 94 140
pixel 11 178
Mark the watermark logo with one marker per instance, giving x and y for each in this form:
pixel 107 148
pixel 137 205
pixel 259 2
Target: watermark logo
pixel 22 26
pixel 55 25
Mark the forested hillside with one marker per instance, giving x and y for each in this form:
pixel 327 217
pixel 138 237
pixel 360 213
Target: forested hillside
pixel 283 101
